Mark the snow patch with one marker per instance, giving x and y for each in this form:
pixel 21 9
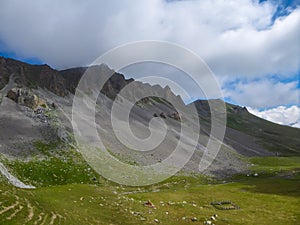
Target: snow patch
pixel 12 179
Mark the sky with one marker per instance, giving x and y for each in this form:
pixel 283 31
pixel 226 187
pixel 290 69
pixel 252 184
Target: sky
pixel 252 46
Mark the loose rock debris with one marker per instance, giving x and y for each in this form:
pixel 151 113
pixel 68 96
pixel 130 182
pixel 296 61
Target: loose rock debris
pixel 225 205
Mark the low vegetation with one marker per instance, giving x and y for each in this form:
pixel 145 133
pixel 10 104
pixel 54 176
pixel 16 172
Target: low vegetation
pixel 67 193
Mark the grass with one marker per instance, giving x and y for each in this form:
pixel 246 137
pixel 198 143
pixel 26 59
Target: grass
pixel 268 134
pixel 176 203
pixel 275 164
pixel 46 148
pixel 50 172
pixel 67 194
pixel 55 164
pixel 157 99
pixel 283 140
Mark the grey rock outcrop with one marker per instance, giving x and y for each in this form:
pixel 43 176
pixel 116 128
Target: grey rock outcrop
pixel 25 97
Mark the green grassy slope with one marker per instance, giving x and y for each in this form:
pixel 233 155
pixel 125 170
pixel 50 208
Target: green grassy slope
pixel 284 140
pixel 70 192
pixel 272 197
pixel 261 201
pixel 276 138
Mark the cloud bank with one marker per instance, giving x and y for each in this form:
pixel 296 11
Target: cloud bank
pixel 281 115
pixel 233 37
pixel 263 93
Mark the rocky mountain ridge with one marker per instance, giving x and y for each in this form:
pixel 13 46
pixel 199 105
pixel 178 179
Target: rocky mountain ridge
pixel 65 81
pixel 36 107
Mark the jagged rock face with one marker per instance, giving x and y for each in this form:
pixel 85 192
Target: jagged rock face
pixel 44 77
pixel 62 82
pixel 13 95
pixel 111 88
pixel 25 97
pixel 115 84
pixel 239 110
pixel 4 74
pixel 32 76
pixel 72 77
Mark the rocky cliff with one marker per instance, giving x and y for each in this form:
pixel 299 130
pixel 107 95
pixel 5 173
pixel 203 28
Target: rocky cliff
pixel 63 82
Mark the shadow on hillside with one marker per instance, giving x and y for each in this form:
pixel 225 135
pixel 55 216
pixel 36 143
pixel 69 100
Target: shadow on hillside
pixel 289 186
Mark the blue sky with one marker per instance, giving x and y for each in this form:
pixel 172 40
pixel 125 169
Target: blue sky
pixel 283 7
pixel 252 46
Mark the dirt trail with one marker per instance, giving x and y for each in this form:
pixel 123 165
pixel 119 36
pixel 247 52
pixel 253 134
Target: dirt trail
pixel 15 213
pixel 30 211
pixel 39 218
pixel 53 218
pixel 44 220
pixel 9 208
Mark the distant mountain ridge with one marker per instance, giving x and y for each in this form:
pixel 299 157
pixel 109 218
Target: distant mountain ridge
pixel 246 131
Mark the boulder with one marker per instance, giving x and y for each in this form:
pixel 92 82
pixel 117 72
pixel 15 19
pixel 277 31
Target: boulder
pixel 11 94
pixel 175 116
pixel 194 219
pixel 25 97
pixel 149 204
pixel 162 115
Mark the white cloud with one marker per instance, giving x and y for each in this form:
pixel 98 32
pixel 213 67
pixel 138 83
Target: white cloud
pixel 263 93
pixel 281 115
pixel 253 52
pixel 235 38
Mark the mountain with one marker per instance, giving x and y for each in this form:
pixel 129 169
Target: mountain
pixel 45 177
pixel 251 135
pixel 36 107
